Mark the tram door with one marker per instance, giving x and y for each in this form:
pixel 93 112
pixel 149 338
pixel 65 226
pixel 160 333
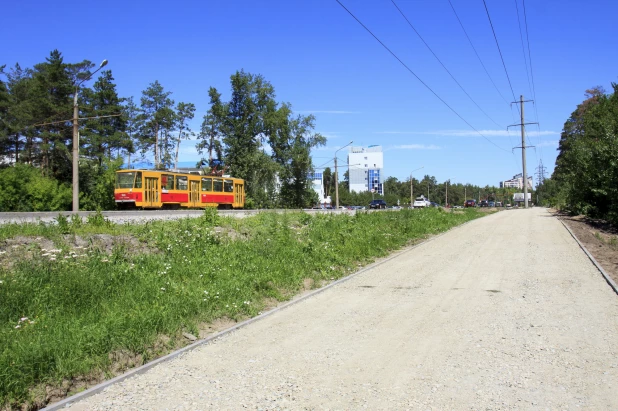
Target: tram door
pixel 238 192
pixel 152 198
pixel 194 193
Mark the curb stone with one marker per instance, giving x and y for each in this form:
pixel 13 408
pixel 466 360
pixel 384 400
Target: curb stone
pixel 606 276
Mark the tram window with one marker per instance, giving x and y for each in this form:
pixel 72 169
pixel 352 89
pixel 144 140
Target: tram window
pixel 125 180
pixel 206 184
pixel 138 179
pixel 167 181
pixel 181 182
pixel 217 185
pixel 228 186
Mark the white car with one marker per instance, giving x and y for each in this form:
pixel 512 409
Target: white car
pixel 420 202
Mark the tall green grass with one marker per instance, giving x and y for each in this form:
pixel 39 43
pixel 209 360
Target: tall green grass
pixel 63 313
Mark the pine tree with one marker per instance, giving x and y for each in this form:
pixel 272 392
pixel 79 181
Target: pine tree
pixel 211 132
pixel 130 114
pixel 156 119
pixel 101 136
pixel 184 113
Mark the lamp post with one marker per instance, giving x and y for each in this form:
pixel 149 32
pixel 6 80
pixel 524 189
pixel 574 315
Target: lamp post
pixel 337 177
pixel 76 140
pixel 412 187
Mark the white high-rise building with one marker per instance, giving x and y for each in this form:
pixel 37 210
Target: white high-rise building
pixel 317 183
pixel 516 182
pixel 365 166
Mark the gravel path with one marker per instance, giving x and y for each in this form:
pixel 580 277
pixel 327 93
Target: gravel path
pixel 504 313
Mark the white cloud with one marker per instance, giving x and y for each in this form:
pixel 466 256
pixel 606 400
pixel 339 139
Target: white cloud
pixel 550 143
pixel 471 133
pixel 414 147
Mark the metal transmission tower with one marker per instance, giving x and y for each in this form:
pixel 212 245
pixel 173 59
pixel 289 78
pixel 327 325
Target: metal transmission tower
pixel 523 146
pixel 541 172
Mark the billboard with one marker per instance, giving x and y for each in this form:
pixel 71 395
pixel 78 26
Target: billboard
pixel 519 197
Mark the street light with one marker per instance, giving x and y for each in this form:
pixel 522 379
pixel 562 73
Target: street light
pixel 412 188
pixel 76 141
pixel 337 177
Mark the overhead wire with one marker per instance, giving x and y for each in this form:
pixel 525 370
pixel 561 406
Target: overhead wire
pixel 499 51
pixel 417 77
pixel 532 75
pixel 523 50
pixel 504 64
pixel 442 64
pixel 477 54
pixel 508 132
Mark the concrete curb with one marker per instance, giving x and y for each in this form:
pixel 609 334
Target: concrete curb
pixel 142 369
pixel 608 279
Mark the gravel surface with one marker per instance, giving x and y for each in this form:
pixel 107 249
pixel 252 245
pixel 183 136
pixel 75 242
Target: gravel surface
pixel 504 313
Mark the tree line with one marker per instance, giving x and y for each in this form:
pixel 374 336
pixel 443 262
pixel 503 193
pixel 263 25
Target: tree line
pixel 398 192
pixel 258 138
pixel 585 179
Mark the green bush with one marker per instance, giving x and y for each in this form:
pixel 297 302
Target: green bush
pixel 24 188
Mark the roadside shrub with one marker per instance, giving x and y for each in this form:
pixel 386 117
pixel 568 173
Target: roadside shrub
pixel 23 188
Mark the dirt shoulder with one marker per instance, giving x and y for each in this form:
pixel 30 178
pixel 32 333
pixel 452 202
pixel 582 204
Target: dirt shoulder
pixel 599 238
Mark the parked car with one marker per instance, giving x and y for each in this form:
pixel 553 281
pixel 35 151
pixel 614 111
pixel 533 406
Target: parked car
pixel 420 202
pixel 483 203
pixel 432 204
pixel 492 204
pixel 377 204
pixel 470 203
pixel 498 203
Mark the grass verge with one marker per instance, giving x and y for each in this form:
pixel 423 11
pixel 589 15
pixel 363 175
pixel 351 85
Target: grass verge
pixel 68 313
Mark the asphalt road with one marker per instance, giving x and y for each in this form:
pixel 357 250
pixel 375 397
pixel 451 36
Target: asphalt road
pixel 505 312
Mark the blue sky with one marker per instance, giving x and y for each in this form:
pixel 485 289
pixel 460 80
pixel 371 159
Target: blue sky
pixel 322 61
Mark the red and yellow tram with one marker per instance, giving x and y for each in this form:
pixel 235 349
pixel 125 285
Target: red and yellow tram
pixel 167 189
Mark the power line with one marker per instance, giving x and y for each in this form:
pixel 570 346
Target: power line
pixel 536 113
pixel 523 50
pixel 499 51
pixel 477 54
pixel 418 78
pixel 443 66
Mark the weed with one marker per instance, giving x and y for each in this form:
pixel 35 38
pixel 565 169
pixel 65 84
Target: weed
pixel 210 216
pixel 81 307
pixel 97 219
pixel 63 224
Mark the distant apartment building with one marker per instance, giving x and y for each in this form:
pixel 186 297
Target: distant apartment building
pixel 317 183
pixel 365 169
pixel 516 182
